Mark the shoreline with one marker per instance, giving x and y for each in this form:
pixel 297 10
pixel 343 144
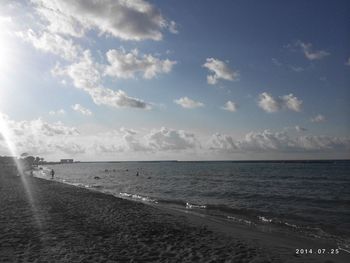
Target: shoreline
pixel 261 222
pixel 75 224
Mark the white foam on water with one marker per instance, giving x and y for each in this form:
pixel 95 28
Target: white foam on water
pixel 191 206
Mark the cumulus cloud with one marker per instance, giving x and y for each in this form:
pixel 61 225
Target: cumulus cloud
pixel 168 139
pixel 52 43
pixel 126 65
pixel 187 103
pixel 309 52
pixel 230 106
pixel 81 109
pixel 268 141
pixel 318 118
pixel 127 20
pixel 157 140
pixel 70 148
pixel 219 70
pixel 86 75
pixel 271 104
pixel 222 142
pixel 40 137
pixel 41 127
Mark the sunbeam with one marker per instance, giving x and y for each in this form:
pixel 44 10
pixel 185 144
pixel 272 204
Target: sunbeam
pixel 7 138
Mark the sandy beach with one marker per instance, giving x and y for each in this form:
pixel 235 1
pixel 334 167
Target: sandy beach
pixel 47 221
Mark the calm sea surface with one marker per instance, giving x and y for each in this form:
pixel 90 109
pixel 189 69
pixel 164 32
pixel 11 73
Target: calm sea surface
pixel 304 197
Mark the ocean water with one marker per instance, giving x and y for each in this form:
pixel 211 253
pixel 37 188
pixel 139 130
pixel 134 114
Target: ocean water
pixel 308 198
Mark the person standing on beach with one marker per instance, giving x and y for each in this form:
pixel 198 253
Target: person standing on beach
pixel 52 173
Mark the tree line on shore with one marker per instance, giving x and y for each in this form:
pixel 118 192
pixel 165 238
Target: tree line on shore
pixel 20 164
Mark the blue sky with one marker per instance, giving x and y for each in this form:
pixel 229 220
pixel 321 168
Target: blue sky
pixel 106 80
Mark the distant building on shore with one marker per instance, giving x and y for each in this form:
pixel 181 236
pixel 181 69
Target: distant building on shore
pixel 67 161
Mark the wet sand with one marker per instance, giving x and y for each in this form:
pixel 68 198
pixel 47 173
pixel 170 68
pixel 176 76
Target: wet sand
pixel 47 221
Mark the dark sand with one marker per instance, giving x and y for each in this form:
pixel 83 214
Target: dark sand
pixel 62 223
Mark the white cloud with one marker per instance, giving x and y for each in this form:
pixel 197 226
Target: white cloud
pixel 271 104
pixel 58 112
pixel 309 52
pixel 318 118
pixel 126 65
pixel 187 103
pixel 39 127
pixel 173 27
pixel 81 109
pixel 127 20
pixel 268 141
pixel 38 137
pixel 168 139
pixel 291 102
pixel 300 129
pixel 222 142
pixel 230 106
pixel 157 140
pixel 70 148
pixel 219 70
pixel 86 75
pixel 52 43
pixel 268 103
pixel 122 140
pixel 117 99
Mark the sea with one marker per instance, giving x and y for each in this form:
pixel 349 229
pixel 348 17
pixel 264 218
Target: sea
pixel 310 198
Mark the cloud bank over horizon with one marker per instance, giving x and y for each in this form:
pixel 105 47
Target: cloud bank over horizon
pixel 38 137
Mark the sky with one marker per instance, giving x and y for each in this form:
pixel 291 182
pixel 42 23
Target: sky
pixel 134 80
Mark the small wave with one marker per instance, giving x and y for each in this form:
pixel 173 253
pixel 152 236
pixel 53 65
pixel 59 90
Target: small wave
pixel 264 219
pixel 138 197
pixel 241 220
pixel 76 184
pixel 191 206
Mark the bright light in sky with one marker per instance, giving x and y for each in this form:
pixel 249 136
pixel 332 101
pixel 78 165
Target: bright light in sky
pixel 5 46
pixel 137 80
pixel 5 133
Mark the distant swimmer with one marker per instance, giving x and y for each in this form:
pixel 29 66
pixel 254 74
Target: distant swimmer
pixel 106 170
pixel 137 173
pixel 52 173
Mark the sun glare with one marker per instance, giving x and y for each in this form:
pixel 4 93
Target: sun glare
pixel 6 46
pixel 6 136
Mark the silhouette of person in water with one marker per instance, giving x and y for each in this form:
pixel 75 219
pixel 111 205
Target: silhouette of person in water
pixel 52 173
pixel 137 174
